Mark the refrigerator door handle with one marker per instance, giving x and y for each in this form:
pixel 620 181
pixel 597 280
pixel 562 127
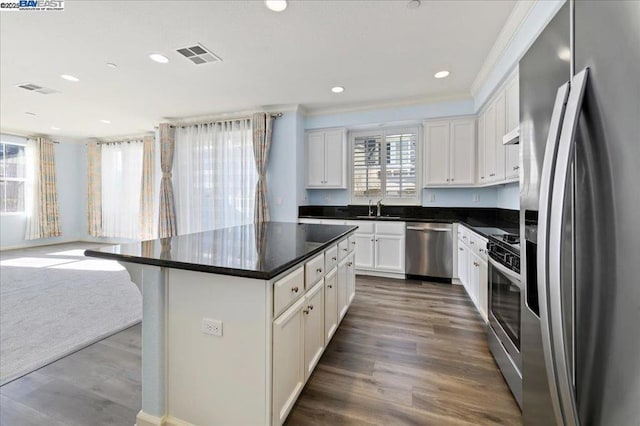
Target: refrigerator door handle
pixel 546 176
pixel 562 174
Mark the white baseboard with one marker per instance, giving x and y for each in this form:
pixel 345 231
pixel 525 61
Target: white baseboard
pixel 146 419
pixel 395 275
pixel 40 244
pixel 456 281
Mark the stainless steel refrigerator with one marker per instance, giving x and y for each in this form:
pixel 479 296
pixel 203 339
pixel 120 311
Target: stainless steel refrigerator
pixel 580 217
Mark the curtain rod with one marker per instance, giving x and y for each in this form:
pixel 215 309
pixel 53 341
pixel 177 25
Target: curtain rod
pixel 217 120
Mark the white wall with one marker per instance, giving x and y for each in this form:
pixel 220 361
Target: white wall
pixel 69 178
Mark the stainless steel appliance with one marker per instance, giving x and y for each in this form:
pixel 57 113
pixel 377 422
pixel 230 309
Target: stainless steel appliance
pixel 505 307
pixel 429 250
pixel 580 141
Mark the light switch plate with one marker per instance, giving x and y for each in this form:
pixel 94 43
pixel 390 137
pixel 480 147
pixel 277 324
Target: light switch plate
pixel 211 326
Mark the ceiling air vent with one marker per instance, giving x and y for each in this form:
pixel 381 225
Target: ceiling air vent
pixel 198 54
pixel 35 88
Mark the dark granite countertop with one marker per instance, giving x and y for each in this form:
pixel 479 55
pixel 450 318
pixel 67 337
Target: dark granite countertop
pixel 250 251
pixel 479 220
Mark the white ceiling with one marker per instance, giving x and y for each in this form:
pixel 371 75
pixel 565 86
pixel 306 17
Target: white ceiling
pixel 380 51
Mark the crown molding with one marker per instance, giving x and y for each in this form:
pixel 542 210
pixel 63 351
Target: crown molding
pixel 423 100
pixel 517 16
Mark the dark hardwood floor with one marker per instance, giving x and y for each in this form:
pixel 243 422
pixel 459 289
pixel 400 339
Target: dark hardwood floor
pixel 406 353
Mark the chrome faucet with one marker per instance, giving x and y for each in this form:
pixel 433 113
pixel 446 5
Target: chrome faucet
pixel 379 207
pixel 370 211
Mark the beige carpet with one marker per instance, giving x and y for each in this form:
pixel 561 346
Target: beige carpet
pixel 54 301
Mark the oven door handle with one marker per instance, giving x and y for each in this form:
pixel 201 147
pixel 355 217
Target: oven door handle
pixel 513 276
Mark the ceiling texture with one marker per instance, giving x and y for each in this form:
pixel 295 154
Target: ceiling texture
pixel 380 51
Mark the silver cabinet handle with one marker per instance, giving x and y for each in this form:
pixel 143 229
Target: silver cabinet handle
pixel 345 249
pixel 481 177
pixel 481 250
pixel 516 167
pixel 329 285
pixel 319 270
pixel 460 248
pixel 334 258
pixel 492 175
pixel 353 242
pixel 306 311
pixel 476 264
pixel 310 307
pixel 294 289
pixel 472 242
pixel 350 264
pixel 415 228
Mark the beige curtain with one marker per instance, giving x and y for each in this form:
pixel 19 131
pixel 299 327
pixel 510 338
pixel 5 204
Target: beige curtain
pixel 43 217
pixel 146 193
pixel 262 130
pixel 94 189
pixel 167 218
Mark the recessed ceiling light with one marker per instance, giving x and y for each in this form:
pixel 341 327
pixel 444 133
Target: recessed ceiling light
pixel 276 5
pixel 70 78
pixel 337 89
pixel 112 65
pixel 161 59
pixel 55 128
pixel 33 114
pixel 442 74
pixel 105 121
pixel 413 4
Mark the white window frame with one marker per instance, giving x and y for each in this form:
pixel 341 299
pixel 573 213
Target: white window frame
pixel 383 131
pixel 24 179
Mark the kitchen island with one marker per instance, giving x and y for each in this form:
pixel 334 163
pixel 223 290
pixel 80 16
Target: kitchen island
pixel 236 319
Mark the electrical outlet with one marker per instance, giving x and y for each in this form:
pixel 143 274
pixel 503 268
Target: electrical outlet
pixel 475 198
pixel 211 326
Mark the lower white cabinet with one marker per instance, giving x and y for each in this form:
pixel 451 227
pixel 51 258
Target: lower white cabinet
pixel 472 269
pixel 380 247
pixel 351 278
pixel 313 327
pixel 366 250
pixel 343 280
pixel 288 360
pixel 330 305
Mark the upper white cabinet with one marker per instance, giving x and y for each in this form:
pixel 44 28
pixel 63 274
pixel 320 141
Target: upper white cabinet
pixel 450 152
pixel 498 163
pixel 326 159
pixel 513 122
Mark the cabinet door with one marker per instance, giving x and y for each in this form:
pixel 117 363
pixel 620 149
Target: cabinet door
pixel 513 121
pixel 351 278
pixel 364 254
pixel 462 152
pixel 490 144
pixel 288 360
pixel 474 278
pixel 330 305
pixel 315 159
pixel 343 272
pixel 334 159
pixel 501 130
pixel 483 290
pixel 389 253
pixel 313 327
pixel 463 263
pixel 436 154
pixel 481 149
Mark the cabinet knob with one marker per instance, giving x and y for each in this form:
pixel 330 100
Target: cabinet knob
pixel 460 248
pixel 472 242
pixel 345 249
pixel 310 307
pixel 481 177
pixel 447 179
pixel 451 179
pixel 350 264
pixel 319 270
pixel 372 240
pixel 294 289
pixel 377 240
pixel 492 175
pixel 353 242
pixel 516 167
pixel 476 264
pixel 329 285
pixel 306 311
pixel 481 250
pixel 334 258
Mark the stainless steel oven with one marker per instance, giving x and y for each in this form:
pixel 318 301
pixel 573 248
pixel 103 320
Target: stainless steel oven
pixel 505 310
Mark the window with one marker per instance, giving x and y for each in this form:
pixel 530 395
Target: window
pixel 12 177
pixel 384 166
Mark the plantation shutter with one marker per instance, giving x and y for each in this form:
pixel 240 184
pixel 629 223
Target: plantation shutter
pixel 400 176
pixel 367 167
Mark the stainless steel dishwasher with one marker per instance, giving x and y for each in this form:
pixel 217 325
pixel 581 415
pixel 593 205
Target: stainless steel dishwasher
pixel 429 250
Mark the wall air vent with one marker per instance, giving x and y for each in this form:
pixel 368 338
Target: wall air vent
pixel 198 54
pixel 35 88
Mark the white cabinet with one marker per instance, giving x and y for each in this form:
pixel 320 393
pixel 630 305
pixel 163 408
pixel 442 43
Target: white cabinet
pixel 343 278
pixel 450 152
pixel 326 159
pixel 314 315
pixel 512 89
pixel 288 360
pixel 490 143
pixel 481 167
pixel 380 247
pixel 330 305
pixel 472 268
pixel 351 278
pixel 501 125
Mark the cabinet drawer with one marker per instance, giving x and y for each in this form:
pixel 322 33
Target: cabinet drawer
pixel 390 228
pixel 331 258
pixel 287 290
pixel 364 227
pixel 343 249
pixel 314 270
pixel 352 243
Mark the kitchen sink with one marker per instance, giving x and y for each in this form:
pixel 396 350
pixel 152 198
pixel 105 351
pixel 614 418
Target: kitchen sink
pixel 383 217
